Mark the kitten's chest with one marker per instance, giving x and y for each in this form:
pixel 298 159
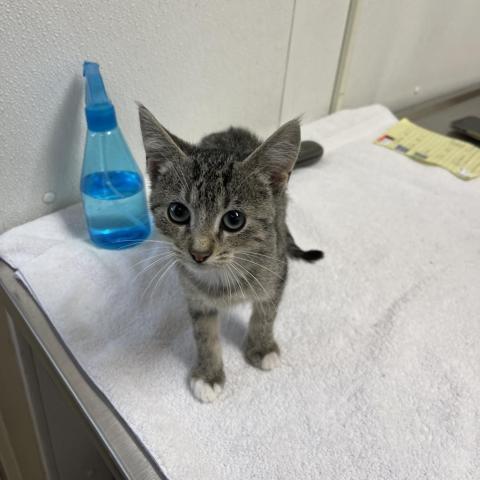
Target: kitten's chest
pixel 218 287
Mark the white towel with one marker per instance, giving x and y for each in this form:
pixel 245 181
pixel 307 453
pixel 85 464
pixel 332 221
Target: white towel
pixel 380 374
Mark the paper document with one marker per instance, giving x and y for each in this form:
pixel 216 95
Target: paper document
pixel 460 158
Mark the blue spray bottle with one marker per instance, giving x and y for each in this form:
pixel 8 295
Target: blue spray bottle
pixel 112 188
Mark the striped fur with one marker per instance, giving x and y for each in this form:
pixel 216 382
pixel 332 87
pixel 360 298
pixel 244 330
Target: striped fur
pixel 230 170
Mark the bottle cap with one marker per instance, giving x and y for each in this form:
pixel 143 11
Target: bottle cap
pixel 99 109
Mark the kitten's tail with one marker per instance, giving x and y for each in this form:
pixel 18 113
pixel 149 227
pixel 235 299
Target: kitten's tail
pixel 295 251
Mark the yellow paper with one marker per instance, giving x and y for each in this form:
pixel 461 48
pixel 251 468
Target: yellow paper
pixel 460 158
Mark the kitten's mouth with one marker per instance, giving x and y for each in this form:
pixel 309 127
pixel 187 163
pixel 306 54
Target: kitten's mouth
pixel 213 264
pixel 199 267
pixel 210 265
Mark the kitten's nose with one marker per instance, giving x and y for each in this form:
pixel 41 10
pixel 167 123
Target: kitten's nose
pixel 200 257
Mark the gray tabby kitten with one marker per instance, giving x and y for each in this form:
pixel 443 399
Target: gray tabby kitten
pixel 222 203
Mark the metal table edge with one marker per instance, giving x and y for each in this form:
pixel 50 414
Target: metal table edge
pixel 110 428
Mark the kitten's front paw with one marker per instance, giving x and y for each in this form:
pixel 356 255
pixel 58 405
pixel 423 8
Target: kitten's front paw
pixel 207 385
pixel 270 361
pixel 204 391
pixel 263 358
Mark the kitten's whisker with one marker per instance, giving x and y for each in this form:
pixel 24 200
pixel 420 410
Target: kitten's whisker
pixel 254 293
pixel 259 301
pixel 157 241
pixel 172 248
pixel 161 255
pixel 161 276
pixel 129 245
pixel 150 265
pixel 243 252
pixel 254 277
pixel 229 290
pixel 155 275
pixel 261 266
pixel 135 243
pixel 234 288
pixel 155 248
pixel 224 281
pixel 237 280
pixel 224 277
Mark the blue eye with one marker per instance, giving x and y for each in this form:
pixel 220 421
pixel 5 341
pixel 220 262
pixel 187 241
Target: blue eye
pixel 233 221
pixel 178 213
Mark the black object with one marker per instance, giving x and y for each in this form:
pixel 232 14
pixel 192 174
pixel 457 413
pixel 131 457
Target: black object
pixel 310 153
pixel 469 126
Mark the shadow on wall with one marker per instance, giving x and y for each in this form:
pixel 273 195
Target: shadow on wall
pixel 64 148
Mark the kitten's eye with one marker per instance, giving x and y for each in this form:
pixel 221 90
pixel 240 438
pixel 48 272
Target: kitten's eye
pixel 233 221
pixel 178 213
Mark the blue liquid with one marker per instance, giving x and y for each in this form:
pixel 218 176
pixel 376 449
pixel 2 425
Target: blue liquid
pixel 115 208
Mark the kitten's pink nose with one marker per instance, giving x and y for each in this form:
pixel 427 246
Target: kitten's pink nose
pixel 200 257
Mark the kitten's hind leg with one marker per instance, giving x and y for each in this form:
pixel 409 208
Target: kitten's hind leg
pixel 207 377
pixel 261 349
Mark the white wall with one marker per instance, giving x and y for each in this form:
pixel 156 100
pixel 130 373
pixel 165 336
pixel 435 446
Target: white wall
pixel 317 33
pixel 400 45
pixel 202 65
pixel 198 65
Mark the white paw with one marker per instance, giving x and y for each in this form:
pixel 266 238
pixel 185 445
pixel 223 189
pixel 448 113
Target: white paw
pixel 270 361
pixel 203 391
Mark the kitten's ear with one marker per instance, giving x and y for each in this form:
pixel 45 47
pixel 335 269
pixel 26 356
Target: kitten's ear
pixel 277 155
pixel 161 147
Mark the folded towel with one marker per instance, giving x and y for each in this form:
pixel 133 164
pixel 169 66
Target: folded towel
pixel 380 340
